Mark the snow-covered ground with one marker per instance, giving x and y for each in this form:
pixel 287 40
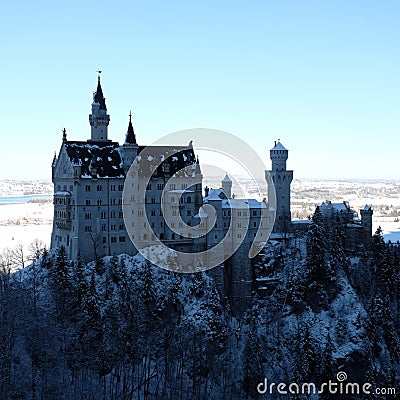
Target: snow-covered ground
pixel 23 223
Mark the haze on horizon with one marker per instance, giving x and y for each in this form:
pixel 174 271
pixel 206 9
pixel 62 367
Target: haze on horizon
pixel 321 76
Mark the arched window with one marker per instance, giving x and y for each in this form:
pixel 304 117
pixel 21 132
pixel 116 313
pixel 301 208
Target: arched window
pixel 189 199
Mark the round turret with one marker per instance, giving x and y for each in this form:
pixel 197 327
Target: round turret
pixel 227 186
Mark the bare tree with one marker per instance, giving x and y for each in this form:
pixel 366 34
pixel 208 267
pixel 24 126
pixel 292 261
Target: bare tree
pixel 36 249
pixel 18 256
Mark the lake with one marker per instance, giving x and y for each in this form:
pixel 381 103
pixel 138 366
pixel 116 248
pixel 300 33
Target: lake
pixel 23 199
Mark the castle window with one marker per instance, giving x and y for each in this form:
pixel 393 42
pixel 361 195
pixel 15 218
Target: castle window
pixel 153 213
pixel 112 188
pixel 113 239
pixel 113 201
pixel 120 188
pixel 239 213
pixel 153 200
pixel 184 186
pixel 121 214
pixel 99 202
pixel 104 227
pixel 255 224
pixel 161 236
pixel 140 213
pixel 148 186
pixel 87 188
pixel 160 186
pixel 88 215
pixel 104 239
pixel 112 214
pixel 122 239
pixel 162 224
pixel 215 236
pixel 239 225
pixel 87 202
pixel 239 235
pixel 103 215
pixel 189 199
pixel 121 227
pixel 99 188
pixel 88 228
pixel 119 201
pixel 113 227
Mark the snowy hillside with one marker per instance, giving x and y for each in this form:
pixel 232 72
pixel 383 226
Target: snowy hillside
pixel 120 328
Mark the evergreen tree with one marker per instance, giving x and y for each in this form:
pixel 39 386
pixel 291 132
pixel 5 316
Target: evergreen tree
pixel 62 285
pixel 317 247
pixel 337 239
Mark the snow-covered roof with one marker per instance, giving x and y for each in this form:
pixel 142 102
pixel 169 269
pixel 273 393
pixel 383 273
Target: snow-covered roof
pixel 279 146
pixel 174 158
pixel 214 194
pixel 338 207
pixel 243 204
pixel 106 159
pixel 181 191
pixel 62 193
pixel 103 157
pixel 354 225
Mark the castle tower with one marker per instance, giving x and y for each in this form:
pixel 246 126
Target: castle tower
pixel 282 179
pixel 366 220
pixel 227 186
pixel 130 147
pixel 99 119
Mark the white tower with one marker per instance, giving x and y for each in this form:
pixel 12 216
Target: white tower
pixel 99 119
pixel 227 186
pixel 282 179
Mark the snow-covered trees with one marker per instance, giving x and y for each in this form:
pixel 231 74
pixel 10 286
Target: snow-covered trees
pixel 130 330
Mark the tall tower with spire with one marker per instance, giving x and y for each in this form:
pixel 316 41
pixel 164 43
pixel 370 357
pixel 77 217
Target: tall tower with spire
pixel 282 179
pixel 99 119
pixel 130 147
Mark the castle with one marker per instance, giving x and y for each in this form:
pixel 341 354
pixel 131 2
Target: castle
pixel 89 178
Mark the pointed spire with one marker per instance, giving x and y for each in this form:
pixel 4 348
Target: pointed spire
pixel 130 135
pixel 98 95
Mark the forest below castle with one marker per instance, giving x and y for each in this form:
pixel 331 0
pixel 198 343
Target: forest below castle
pixel 120 328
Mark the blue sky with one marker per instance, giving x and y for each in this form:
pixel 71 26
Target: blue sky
pixel 323 76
